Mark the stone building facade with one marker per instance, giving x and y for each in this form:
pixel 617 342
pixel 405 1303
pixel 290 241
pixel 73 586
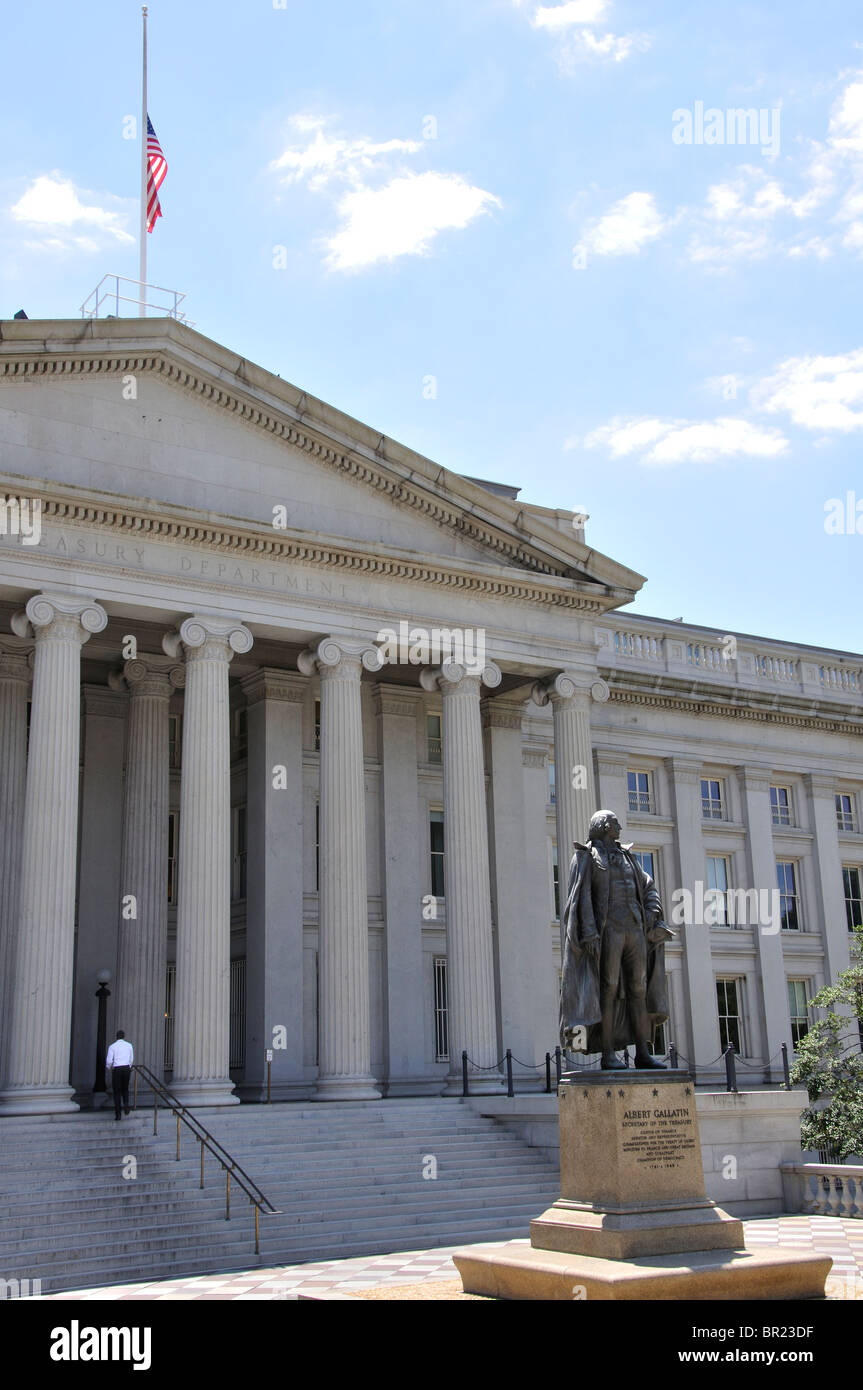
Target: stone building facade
pixel 216 790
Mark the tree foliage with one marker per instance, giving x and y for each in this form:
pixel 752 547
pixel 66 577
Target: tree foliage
pixel 830 1064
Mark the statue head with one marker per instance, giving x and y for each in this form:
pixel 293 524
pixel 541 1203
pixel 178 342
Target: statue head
pixel 602 824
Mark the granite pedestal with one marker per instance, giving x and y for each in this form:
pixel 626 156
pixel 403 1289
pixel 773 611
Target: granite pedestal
pixel 632 1220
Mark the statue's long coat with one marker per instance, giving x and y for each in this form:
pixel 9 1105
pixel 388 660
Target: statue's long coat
pixel 584 919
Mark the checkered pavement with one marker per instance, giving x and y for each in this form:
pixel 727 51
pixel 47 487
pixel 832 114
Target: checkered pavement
pixel 332 1279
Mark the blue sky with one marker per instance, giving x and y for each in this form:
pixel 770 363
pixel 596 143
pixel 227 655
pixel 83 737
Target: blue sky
pixel 469 224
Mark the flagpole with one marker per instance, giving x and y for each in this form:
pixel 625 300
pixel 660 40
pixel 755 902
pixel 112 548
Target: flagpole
pixel 142 235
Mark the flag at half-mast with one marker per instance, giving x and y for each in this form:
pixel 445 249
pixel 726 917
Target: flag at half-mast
pixel 157 168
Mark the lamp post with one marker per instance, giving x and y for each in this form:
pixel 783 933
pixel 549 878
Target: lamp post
pixel 103 994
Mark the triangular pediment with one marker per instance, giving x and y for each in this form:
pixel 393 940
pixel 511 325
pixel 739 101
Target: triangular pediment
pixel 150 409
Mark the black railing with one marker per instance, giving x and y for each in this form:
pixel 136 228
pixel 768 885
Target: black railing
pixel 232 1169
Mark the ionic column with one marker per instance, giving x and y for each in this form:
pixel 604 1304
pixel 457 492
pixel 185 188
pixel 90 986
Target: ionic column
pixel 14 685
pixel 344 1027
pixel 471 1009
pixel 201 1037
pixel 569 695
pixel 40 1016
pixel 139 1002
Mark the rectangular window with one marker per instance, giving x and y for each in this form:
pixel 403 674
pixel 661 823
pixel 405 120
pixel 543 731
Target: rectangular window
pixel 441 1029
pixel 317 726
pixel 175 739
pixel 640 792
pixel 317 847
pixel 780 805
pixel 717 883
pixel 552 786
pixel 237 1015
pixel 729 1000
pixel 434 738
pixel 436 847
pixel 852 882
pixel 648 859
pixel 845 811
pixel 173 855
pixel 238 853
pixel 789 897
pixel 711 799
pixel 170 989
pixel 555 882
pixel 798 1000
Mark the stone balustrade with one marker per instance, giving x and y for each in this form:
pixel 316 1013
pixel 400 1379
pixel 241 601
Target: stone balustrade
pixel 823 1189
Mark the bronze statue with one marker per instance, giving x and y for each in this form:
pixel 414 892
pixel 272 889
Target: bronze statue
pixel 614 949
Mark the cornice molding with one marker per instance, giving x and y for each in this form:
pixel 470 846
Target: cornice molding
pixel 125 519
pixel 408 490
pixel 759 714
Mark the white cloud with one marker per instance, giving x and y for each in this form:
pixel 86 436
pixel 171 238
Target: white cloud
pixel 58 218
pixel 577 45
pixel 402 218
pixel 389 209
pixel 846 120
pixel 575 12
pixel 627 226
pixel 818 393
pixel 324 158
pixel 666 443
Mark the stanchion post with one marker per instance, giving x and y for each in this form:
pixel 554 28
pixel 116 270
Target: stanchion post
pixel 730 1069
pixel 557 1066
pixel 464 1085
pixel 509 1087
pixel 786 1072
pixel 269 1073
pixel 672 1055
pixel 548 1073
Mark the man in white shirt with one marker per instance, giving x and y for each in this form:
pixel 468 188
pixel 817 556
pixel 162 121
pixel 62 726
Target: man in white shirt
pixel 119 1064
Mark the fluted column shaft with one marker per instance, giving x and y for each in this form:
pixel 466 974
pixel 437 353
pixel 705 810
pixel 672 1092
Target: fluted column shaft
pixel 139 1006
pixel 201 1026
pixel 344 1024
pixel 14 684
pixel 575 795
pixel 471 1011
pixel 40 1016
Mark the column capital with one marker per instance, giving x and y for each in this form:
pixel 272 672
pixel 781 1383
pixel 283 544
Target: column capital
pixel 396 700
pixel 821 783
pixel 149 675
pixel 684 771
pixel 569 685
pixel 502 713
pixel 60 617
pixel 16 659
pixel 109 703
pixel 268 683
pixel 340 656
pixel 534 753
pixel 206 637
pixel 452 675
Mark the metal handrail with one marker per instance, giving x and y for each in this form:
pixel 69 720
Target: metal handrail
pixel 262 1204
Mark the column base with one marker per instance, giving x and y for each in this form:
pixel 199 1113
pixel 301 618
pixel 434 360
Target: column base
pixel 38 1100
pixel 202 1093
pixel 346 1088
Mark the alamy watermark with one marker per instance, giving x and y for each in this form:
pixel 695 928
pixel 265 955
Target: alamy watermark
pixel 21 516
pixel 430 646
pixel 734 126
pixel 727 907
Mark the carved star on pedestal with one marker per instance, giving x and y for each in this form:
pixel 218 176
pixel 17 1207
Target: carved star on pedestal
pixel 585 1094
pixel 655 1092
pixel 608 1094
pixel 688 1091
pixel 621 1094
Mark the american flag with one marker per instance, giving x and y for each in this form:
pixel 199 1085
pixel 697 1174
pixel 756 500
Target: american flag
pixel 157 168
